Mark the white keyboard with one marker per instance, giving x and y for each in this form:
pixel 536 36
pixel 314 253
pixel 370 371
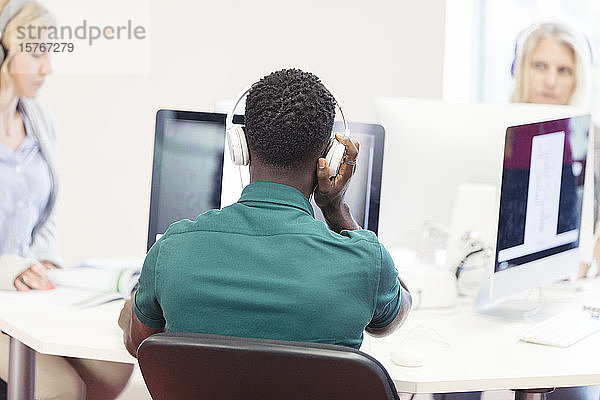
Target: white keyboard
pixel 562 330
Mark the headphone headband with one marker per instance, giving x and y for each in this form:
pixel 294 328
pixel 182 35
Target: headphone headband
pixel 10 10
pixel 243 93
pixel 238 146
pixel 340 107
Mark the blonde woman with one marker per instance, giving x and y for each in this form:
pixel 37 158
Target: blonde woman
pixel 550 66
pixel 28 185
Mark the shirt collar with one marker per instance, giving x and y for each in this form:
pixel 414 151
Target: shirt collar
pixel 276 193
pixel 30 143
pixel 28 146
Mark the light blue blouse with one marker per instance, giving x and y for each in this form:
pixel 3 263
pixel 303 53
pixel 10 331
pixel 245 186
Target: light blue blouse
pixel 25 186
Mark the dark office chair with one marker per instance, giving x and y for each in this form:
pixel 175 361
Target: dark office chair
pixel 198 366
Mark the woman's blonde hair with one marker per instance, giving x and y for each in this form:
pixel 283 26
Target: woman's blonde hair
pixel 524 50
pixel 31 14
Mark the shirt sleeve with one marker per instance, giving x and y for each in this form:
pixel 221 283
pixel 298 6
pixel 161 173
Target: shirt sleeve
pixel 389 295
pixel 145 304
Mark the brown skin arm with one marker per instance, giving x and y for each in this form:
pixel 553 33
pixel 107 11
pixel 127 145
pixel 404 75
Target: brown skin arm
pixel 134 331
pixel 329 196
pixel 400 318
pixel 329 193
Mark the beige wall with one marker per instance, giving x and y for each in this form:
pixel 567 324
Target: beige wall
pixel 203 51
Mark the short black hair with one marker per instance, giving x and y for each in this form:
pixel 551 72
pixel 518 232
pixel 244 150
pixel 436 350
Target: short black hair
pixel 289 118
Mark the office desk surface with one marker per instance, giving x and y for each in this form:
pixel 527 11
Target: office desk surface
pixel 463 350
pixel 44 322
pixel 467 351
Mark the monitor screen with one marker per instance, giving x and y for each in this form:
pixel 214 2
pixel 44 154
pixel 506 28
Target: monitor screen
pixel 542 188
pixel 187 175
pixel 187 168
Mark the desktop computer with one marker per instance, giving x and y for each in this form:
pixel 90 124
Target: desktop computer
pixel 432 148
pixel 443 166
pixel 190 174
pixel 187 167
pixel 540 210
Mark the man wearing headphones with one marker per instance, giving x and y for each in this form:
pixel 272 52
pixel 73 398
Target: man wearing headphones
pixel 264 267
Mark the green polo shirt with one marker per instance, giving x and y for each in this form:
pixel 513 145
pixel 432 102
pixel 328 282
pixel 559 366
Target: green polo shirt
pixel 264 267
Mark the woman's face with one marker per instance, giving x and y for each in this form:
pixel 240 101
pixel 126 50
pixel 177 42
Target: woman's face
pixel 27 71
pixel 551 73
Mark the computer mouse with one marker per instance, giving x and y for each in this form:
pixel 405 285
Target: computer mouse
pixel 407 357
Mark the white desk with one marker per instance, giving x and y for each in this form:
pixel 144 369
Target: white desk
pixel 485 354
pixel 43 321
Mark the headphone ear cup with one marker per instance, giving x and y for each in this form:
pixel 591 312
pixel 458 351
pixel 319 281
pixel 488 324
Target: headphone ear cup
pixel 334 157
pixel 238 148
pixel 245 154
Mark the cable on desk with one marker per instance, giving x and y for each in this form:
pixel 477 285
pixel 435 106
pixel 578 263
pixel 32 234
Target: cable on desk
pixel 529 315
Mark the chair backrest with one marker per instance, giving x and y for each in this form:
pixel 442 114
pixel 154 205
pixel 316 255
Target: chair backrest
pixel 198 366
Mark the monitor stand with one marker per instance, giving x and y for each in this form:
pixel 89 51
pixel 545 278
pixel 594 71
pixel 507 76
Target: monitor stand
pixel 512 308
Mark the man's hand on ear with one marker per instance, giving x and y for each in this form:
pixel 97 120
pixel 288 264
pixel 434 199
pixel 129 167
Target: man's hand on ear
pixel 329 193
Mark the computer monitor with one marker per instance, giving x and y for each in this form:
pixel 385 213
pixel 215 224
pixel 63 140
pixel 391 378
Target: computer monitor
pixel 190 174
pixel 431 148
pixel 187 167
pixel 540 208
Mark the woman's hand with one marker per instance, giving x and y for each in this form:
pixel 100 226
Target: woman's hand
pixel 48 265
pixel 34 277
